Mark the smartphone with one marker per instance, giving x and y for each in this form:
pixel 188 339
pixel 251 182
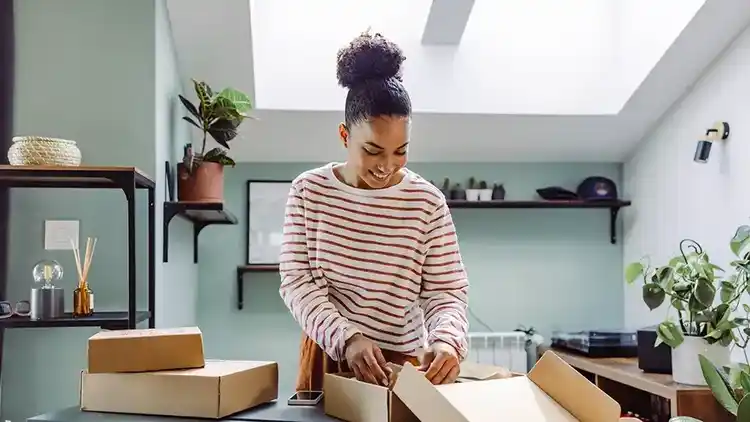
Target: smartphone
pixel 305 398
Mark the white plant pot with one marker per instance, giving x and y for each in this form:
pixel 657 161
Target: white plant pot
pixel 485 194
pixel 472 194
pixel 686 368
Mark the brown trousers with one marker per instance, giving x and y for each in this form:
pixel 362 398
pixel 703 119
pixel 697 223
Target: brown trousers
pixel 314 363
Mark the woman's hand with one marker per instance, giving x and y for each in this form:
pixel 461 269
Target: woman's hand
pixel 441 363
pixel 366 360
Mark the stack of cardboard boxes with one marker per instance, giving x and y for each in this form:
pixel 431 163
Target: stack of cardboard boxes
pixel 164 372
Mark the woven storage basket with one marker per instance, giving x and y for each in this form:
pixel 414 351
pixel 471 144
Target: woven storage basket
pixel 41 151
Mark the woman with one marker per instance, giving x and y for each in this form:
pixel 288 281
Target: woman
pixel 370 264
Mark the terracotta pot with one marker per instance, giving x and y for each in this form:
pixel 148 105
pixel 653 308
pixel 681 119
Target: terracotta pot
pixel 205 184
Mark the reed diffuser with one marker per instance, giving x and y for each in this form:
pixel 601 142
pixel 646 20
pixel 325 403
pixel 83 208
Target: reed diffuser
pixel 83 297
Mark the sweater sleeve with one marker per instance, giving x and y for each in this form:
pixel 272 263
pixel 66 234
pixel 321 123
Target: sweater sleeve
pixel 306 297
pixel 444 295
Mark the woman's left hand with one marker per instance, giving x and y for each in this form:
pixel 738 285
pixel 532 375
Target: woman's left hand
pixel 441 363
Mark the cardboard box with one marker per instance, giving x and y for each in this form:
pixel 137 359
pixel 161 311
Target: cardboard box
pixel 219 389
pixel 552 392
pixel 145 350
pixel 355 401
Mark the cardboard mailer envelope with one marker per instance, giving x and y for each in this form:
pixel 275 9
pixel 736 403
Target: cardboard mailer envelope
pixel 552 392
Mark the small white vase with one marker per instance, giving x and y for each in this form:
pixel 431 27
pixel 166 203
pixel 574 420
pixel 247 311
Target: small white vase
pixel 472 194
pixel 686 368
pixel 485 194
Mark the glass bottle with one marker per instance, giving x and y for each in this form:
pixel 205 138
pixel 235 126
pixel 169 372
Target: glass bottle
pixel 83 301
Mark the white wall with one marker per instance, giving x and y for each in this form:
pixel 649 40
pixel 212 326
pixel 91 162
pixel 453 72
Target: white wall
pixel 674 197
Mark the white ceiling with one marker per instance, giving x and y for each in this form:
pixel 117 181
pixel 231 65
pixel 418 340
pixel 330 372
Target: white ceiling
pixel 214 42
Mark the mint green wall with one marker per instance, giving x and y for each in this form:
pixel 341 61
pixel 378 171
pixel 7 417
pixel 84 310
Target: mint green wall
pixel 552 269
pixel 88 70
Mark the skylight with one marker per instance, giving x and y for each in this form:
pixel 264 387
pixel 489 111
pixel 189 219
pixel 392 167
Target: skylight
pixel 547 57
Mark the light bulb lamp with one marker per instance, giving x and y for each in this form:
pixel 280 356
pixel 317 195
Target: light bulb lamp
pixel 719 132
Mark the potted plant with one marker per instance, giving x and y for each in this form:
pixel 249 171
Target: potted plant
pixel 730 384
pixel 690 286
pixel 218 115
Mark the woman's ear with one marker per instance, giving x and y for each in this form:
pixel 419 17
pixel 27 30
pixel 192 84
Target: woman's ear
pixel 344 134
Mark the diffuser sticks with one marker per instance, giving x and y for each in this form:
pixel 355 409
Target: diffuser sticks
pixel 83 297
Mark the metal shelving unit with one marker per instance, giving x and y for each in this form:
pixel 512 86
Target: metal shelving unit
pixel 127 179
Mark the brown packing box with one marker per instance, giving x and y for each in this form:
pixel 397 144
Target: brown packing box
pixel 219 389
pixel 552 392
pixel 145 350
pixel 354 401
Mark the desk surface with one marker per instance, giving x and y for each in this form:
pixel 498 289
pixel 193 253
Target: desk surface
pixel 626 371
pixel 270 412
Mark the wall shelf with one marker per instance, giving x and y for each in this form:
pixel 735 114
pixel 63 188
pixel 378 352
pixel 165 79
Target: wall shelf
pixel 201 214
pixel 612 205
pixel 251 268
pixel 126 179
pixel 105 320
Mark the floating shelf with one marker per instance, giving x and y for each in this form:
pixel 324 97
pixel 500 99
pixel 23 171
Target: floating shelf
pixel 612 205
pixel 250 268
pixel 106 320
pixel 201 214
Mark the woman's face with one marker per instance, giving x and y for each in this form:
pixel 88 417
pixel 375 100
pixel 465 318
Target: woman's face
pixel 377 150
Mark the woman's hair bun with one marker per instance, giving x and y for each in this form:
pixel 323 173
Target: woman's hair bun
pixel 368 57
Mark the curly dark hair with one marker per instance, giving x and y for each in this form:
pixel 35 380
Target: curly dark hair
pixel 370 67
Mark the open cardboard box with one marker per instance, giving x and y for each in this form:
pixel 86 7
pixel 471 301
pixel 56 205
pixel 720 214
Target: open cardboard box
pixel 552 392
pixel 356 401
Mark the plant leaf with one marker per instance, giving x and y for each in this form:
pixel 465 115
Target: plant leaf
pixel 204 94
pixel 743 410
pixel 190 107
pixel 727 291
pixel 192 122
pixel 704 291
pixel 239 99
pixel 745 382
pixel 653 295
pixel 223 131
pixel 719 385
pixel 670 334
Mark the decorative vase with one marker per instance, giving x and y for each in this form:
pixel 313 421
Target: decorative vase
pixel 686 368
pixel 43 151
pixel 204 184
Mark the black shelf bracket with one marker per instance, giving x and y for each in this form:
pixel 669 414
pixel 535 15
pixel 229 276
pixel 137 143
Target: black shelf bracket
pixel 613 224
pixel 201 214
pixel 250 268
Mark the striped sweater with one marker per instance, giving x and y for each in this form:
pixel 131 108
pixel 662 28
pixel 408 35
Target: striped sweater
pixel 384 263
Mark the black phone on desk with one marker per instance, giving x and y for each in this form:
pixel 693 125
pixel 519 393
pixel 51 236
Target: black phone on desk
pixel 305 398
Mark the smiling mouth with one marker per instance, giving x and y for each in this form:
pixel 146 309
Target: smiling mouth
pixel 380 176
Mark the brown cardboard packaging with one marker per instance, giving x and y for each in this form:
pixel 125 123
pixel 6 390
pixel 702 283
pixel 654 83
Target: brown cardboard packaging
pixel 552 392
pixel 219 389
pixel 145 350
pixel 354 401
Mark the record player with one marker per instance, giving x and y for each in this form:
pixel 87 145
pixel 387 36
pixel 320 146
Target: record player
pixel 598 343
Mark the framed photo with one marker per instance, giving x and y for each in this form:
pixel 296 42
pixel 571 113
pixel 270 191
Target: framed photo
pixel 266 206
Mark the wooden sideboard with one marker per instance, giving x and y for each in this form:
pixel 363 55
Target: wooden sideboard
pixel 647 394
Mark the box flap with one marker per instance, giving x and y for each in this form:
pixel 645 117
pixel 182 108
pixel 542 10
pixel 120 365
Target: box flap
pixel 572 390
pixel 423 399
pixel 352 400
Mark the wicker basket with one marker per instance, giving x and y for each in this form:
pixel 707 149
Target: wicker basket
pixel 41 151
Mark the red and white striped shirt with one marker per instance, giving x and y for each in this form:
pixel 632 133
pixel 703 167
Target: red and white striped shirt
pixel 384 263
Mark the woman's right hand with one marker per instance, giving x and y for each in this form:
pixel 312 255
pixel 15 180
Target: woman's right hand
pixel 366 360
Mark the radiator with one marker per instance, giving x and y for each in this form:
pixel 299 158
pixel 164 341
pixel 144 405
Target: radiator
pixel 509 350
